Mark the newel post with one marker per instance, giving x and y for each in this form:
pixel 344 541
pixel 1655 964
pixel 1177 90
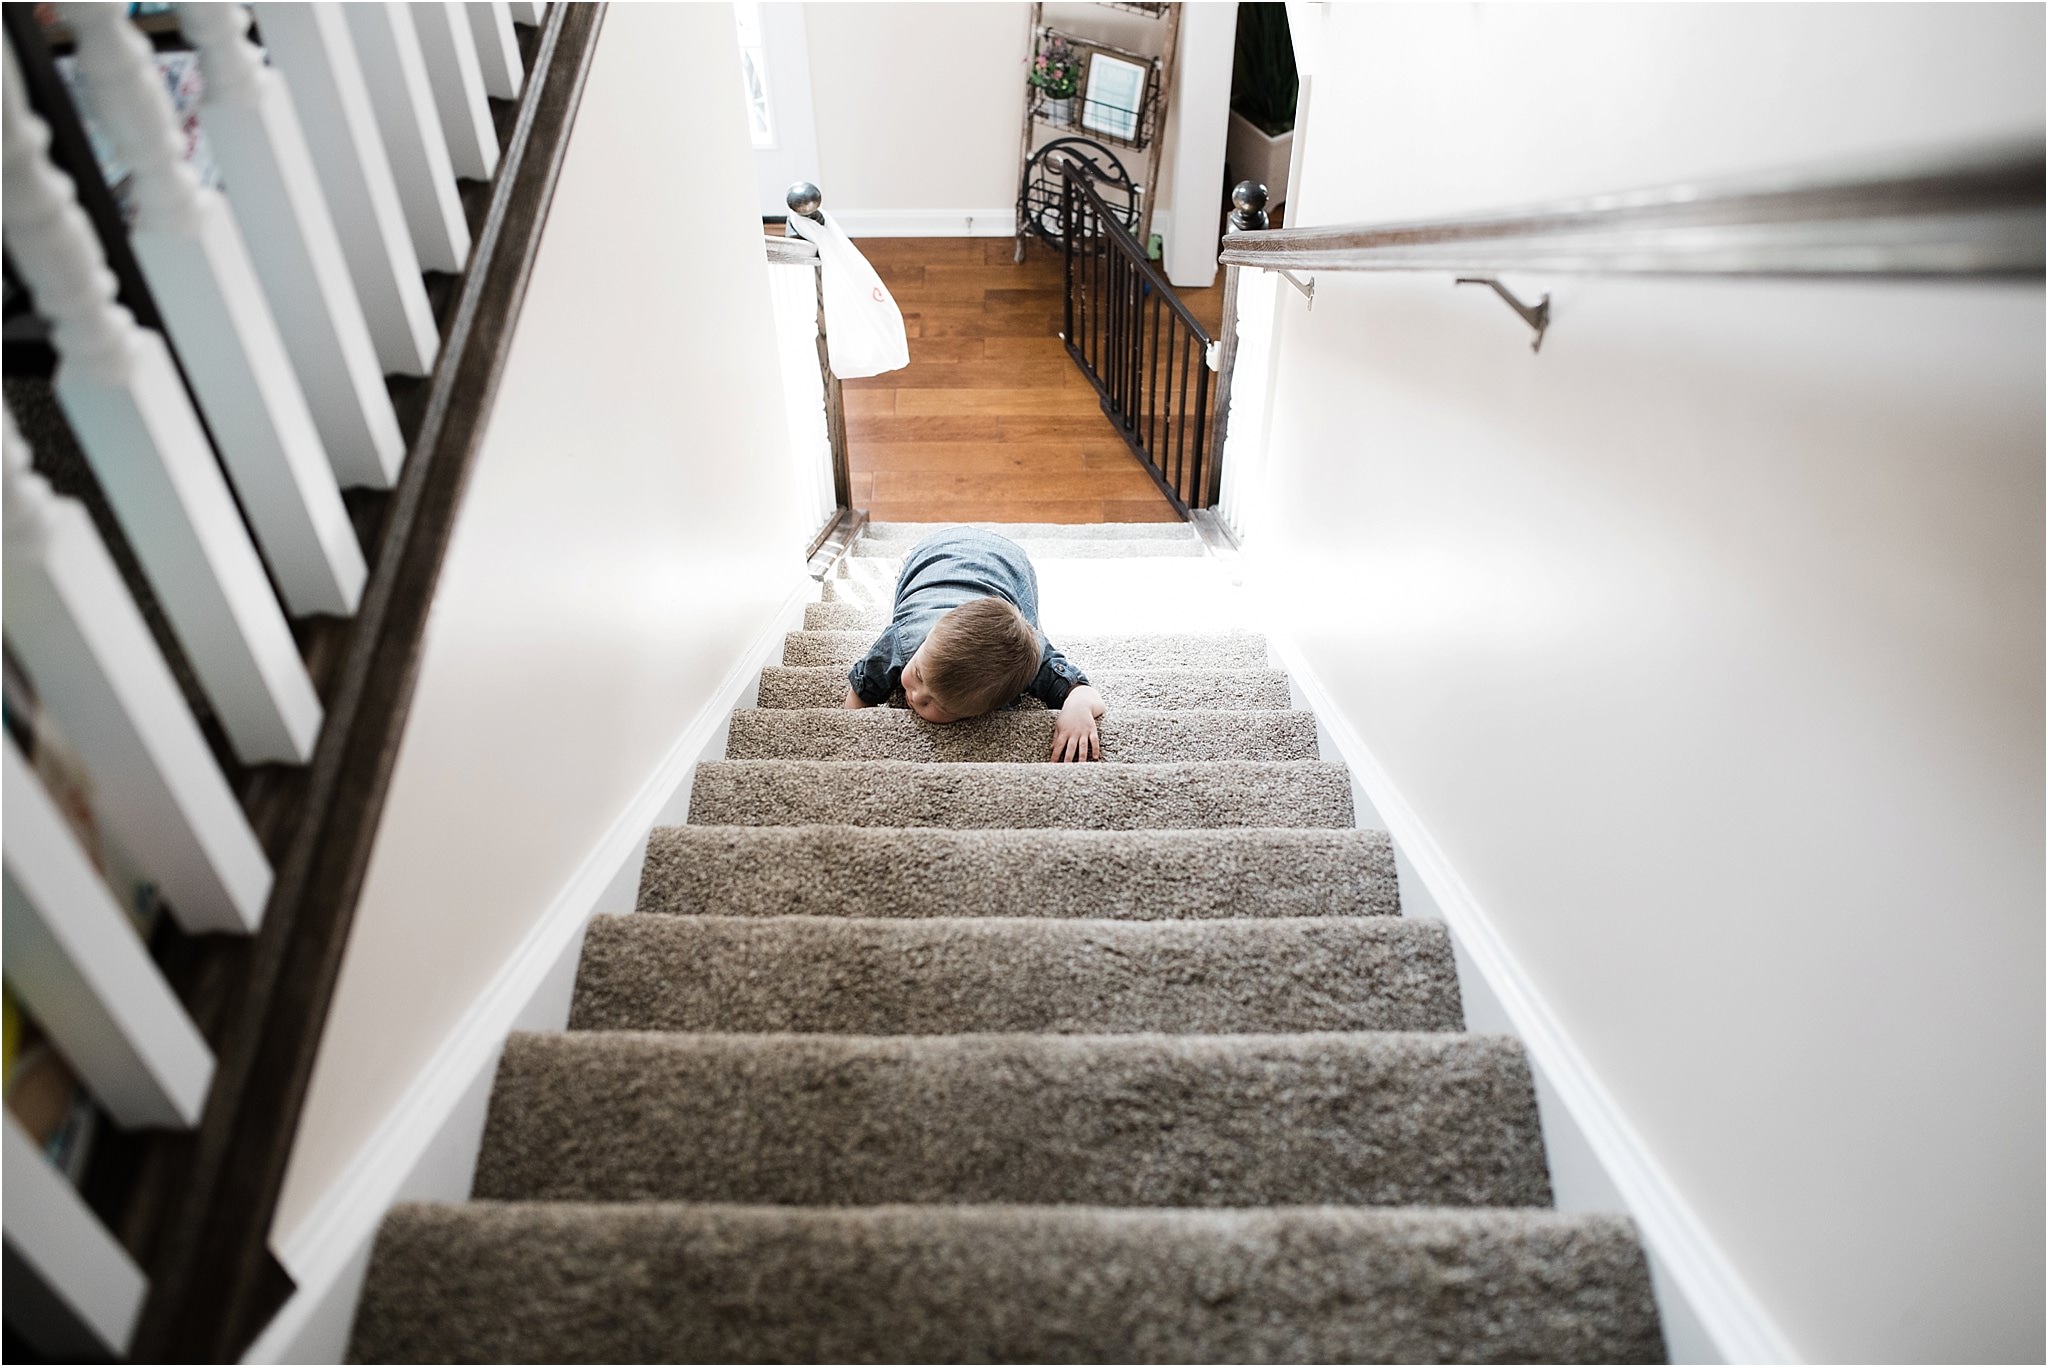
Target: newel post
pixel 1247 214
pixel 806 200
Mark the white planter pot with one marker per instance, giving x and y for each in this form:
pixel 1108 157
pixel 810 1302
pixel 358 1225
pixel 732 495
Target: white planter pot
pixel 1251 155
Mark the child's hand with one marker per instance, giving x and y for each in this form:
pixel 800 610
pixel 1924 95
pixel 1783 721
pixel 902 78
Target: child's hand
pixel 853 701
pixel 1075 736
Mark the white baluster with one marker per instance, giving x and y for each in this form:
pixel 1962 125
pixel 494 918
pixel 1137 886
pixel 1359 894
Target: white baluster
pixel 250 119
pixel 76 962
pixel 529 12
pixel 198 269
pixel 92 1291
pixel 458 81
pixel 410 124
pixel 136 426
pixel 71 623
pixel 310 44
pixel 497 48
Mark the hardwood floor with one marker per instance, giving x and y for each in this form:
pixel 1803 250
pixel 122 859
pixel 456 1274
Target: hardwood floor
pixel 991 421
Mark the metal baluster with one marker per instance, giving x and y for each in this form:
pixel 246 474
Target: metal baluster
pixel 1110 330
pixel 1134 304
pixel 1094 294
pixel 1161 346
pixel 1096 298
pixel 1101 332
pixel 1141 354
pixel 1119 300
pixel 1078 339
pixel 1149 382
pixel 1134 352
pixel 1198 495
pixel 1065 236
pixel 1141 404
pixel 1176 345
pixel 1180 436
pixel 1134 299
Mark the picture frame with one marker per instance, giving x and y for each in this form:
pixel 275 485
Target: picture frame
pixel 1114 89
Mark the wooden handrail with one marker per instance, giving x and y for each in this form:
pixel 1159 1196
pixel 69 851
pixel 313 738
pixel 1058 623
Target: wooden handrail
pixel 831 541
pixel 1974 213
pixel 196 1207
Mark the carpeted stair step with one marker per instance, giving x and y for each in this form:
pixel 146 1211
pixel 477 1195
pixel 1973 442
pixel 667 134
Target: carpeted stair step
pixel 1163 650
pixel 1219 690
pixel 1055 548
pixel 1128 737
pixel 1137 591
pixel 940 976
pixel 1140 1120
pixel 1129 875
pixel 1157 563
pixel 910 533
pixel 844 616
pixel 488 1282
pixel 791 792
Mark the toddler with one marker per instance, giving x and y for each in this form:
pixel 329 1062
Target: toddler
pixel 964 640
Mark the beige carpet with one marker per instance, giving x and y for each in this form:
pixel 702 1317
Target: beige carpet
pixel 921 1049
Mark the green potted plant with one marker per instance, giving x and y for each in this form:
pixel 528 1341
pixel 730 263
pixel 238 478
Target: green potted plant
pixel 1263 88
pixel 1056 70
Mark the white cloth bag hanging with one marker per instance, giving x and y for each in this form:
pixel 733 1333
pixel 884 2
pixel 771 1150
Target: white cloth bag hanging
pixel 863 326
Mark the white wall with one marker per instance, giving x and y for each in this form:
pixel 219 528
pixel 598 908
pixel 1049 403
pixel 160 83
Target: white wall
pixel 920 110
pixel 631 528
pixel 1192 178
pixel 919 106
pixel 1707 644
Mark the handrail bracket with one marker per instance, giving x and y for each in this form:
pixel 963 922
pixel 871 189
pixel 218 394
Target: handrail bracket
pixel 1537 317
pixel 1307 287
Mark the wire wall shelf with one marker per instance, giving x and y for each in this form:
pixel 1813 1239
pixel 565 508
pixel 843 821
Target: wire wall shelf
pixel 1100 119
pixel 1113 97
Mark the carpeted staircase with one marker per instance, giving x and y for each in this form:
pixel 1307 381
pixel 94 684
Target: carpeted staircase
pixel 922 1049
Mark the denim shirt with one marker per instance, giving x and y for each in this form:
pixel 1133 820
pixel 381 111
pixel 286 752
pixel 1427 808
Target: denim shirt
pixel 946 569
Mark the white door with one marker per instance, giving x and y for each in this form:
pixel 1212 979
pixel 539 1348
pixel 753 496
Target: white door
pixel 775 66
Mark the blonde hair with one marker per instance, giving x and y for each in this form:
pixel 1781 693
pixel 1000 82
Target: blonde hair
pixel 979 656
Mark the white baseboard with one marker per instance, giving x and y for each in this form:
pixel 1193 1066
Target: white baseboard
pixel 1709 1311
pixel 928 222
pixel 426 1148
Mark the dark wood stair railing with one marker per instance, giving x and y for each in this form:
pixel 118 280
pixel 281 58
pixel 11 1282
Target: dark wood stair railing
pixel 195 1207
pixel 1139 344
pixel 835 537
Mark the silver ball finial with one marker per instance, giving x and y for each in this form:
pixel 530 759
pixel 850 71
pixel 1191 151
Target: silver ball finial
pixel 804 198
pixel 1249 212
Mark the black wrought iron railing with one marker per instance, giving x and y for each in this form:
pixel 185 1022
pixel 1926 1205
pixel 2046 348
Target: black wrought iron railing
pixel 1139 345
